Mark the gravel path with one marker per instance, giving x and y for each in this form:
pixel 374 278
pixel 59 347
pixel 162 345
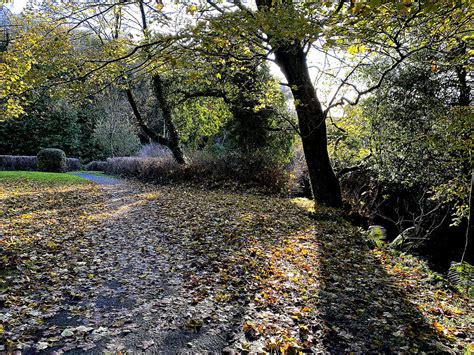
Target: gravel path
pixel 101 180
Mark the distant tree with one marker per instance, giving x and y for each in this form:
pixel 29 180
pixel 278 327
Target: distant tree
pixel 115 133
pixel 258 118
pixel 5 28
pixel 51 123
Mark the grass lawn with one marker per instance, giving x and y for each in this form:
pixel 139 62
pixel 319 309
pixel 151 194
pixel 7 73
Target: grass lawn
pixel 40 177
pixel 42 206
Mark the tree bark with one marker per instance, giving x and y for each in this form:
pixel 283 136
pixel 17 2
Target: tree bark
pixel 464 88
pixel 469 222
pixel 173 140
pixel 312 124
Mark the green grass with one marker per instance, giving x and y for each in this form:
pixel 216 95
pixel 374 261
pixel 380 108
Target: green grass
pixel 40 176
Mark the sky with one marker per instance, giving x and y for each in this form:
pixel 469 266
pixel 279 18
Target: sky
pixel 14 6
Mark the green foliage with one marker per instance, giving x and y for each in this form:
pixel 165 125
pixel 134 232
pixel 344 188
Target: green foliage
pixel 51 160
pixel 22 176
pixel 456 141
pixel 411 135
pixel 51 123
pixel 219 105
pixel 260 117
pixel 377 235
pixel 200 119
pixel 349 138
pixel 41 50
pixel 461 275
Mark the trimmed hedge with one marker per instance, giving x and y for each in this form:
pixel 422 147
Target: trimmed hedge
pixel 73 164
pixel 28 163
pixel 17 162
pixel 96 166
pixel 51 160
pixel 230 170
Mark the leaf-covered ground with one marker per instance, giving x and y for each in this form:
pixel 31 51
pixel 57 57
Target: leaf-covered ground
pixel 134 267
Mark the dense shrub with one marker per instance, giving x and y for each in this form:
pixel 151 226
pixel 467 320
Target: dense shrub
pixel 96 166
pixel 27 162
pixel 52 160
pixel 409 212
pixel 17 162
pixel 405 160
pixel 251 171
pixel 73 164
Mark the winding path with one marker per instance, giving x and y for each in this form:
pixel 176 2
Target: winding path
pixel 100 179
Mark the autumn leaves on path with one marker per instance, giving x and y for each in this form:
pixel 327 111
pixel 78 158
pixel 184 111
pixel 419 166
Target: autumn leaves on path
pixel 134 267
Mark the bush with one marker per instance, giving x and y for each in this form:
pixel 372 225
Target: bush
pixel 52 160
pixel 206 169
pixel 17 162
pixel 73 164
pixel 96 166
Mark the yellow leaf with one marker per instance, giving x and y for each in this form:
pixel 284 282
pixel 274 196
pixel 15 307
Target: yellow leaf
pixel 354 49
pixel 52 245
pixel 192 9
pixel 438 326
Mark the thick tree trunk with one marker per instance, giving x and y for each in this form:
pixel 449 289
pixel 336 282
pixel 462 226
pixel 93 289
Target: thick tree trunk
pixel 464 88
pixel 311 119
pixel 173 140
pixel 468 248
pixel 312 125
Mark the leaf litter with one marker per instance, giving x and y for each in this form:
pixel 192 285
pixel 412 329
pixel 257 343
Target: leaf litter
pixel 135 267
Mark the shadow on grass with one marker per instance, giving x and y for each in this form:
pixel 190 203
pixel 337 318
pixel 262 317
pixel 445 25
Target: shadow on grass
pixel 360 303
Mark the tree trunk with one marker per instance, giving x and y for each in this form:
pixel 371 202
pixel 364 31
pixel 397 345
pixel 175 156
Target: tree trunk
pixel 173 141
pixel 464 87
pixel 312 125
pixel 467 249
pixel 291 58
